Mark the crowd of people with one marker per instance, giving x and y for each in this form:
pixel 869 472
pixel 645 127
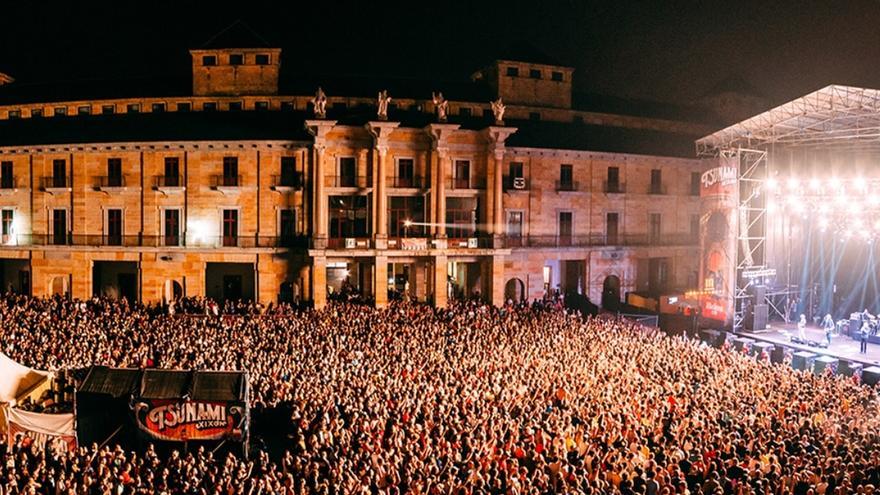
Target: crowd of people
pixel 466 400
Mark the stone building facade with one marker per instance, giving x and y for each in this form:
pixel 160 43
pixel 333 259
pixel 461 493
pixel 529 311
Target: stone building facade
pixel 233 188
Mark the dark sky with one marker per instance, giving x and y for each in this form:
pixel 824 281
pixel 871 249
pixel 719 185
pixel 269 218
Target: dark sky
pixel 659 50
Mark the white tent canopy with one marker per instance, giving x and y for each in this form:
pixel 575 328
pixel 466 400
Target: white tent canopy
pixel 17 381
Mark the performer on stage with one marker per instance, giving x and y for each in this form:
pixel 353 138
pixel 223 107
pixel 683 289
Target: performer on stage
pixel 828 326
pixel 863 337
pixel 802 326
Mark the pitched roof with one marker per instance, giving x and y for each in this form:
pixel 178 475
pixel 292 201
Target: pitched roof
pixel 236 35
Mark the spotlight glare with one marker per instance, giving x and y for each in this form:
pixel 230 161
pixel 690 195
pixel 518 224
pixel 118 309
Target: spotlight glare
pixel 814 184
pixel 793 183
pixel 772 184
pixel 835 184
pixel 823 222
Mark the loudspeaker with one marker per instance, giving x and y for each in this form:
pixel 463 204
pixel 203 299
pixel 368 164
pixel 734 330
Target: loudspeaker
pixel 777 355
pixel 802 360
pixel 713 338
pixel 763 347
pixel 849 368
pixel 759 291
pixel 823 362
pixel 871 375
pixel 758 318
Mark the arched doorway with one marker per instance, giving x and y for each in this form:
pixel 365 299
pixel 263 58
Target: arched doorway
pixel 58 286
pixel 514 290
pixel 611 293
pixel 173 291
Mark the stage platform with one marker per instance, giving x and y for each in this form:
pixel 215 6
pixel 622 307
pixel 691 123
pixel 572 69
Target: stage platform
pixel 842 346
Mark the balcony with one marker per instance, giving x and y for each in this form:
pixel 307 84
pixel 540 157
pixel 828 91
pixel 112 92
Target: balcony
pixel 111 183
pixel 415 182
pixel 466 183
pixel 599 240
pixel 226 184
pixel 56 184
pixel 515 183
pixel 287 183
pixel 156 241
pixel 350 181
pixel 349 243
pixel 169 184
pixel 469 243
pixel 567 186
pixel 613 187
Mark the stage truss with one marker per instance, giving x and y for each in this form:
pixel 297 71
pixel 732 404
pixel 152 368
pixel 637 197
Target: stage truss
pixel 832 116
pixel 751 226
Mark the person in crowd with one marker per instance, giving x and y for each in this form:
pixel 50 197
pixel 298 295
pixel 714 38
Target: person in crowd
pixel 471 399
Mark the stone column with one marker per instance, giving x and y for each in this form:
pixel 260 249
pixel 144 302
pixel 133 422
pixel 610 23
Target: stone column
pixel 439 134
pixel 381 132
pixel 495 137
pixel 496 280
pixel 418 287
pixel 440 282
pixel 319 129
pixel 319 282
pixel 380 281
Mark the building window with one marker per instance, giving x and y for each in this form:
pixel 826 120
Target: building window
pixel 653 227
pixel 405 173
pixel 514 228
pixel 60 111
pixel 462 177
pixel 339 105
pixel 59 173
pixel 236 59
pixel 461 217
pixel 84 110
pixel 566 177
pixel 234 106
pixel 347 172
pixel 172 172
pixel 488 113
pixel 513 71
pixel 348 216
pixel 612 183
pixel 656 181
pixel 108 109
pixel 464 111
pixel 612 227
pixel 516 176
pixel 14 114
pixel 556 76
pixel 209 106
pixel 230 228
pixel 287 106
pixel 230 171
pixel 534 115
pixel 114 172
pixel 535 73
pixel 261 105
pixel 158 107
pixel 114 227
pixel 133 108
pixel 6 219
pixel 288 172
pixel 406 214
pixel 695 227
pixel 171 227
pixel 37 112
pixel 578 119
pixel 184 106
pixel 565 228
pixel 262 59
pixel 59 226
pixel 7 180
pixel 695 183
pixel 209 60
pixel 287 225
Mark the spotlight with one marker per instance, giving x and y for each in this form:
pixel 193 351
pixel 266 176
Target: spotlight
pixel 407 223
pixel 814 184
pixel 793 184
pixel 772 184
pixel 861 185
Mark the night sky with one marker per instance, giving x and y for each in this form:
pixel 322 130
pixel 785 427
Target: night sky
pixel 660 50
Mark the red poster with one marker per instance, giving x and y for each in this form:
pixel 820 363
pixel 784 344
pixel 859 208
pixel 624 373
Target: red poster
pixel 719 196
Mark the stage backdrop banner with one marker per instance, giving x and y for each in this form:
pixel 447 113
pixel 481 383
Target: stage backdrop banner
pixel 719 197
pixel 181 421
pixel 41 428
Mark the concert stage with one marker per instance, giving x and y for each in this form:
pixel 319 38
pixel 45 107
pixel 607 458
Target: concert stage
pixel 842 346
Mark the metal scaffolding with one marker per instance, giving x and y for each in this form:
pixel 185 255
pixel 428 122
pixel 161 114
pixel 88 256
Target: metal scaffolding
pixel 751 227
pixel 832 116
